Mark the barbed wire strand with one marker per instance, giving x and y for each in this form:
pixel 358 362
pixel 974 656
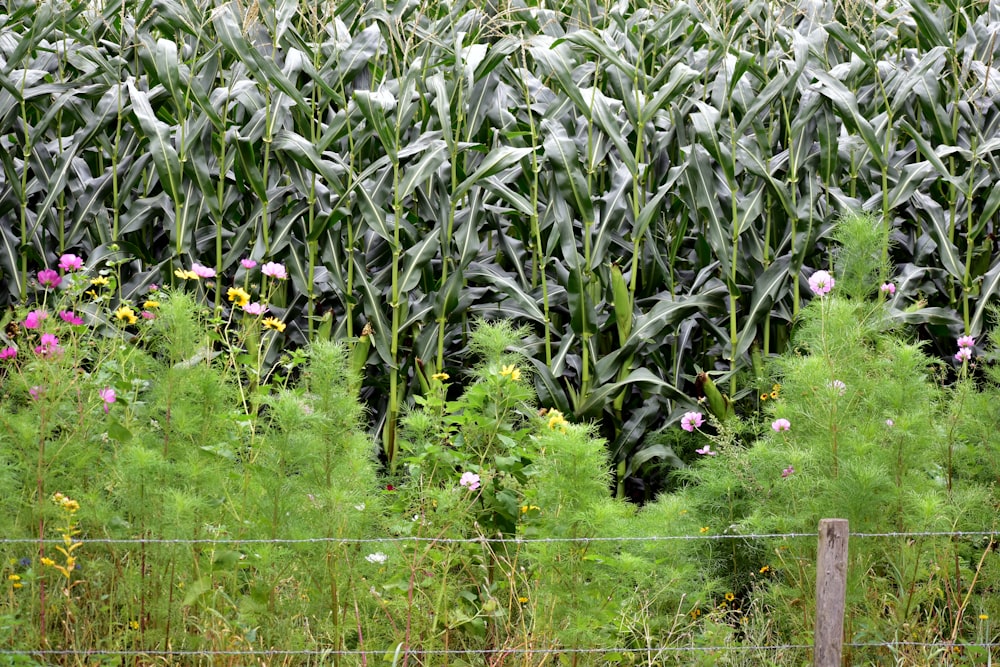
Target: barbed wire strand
pixel 493 540
pixel 496 651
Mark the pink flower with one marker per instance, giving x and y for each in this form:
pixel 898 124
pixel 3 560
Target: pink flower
pixel 890 423
pixel 154 287
pixel 963 354
pixel 49 346
pixel 821 283
pixel 34 318
pixel 70 317
pixel 49 278
pixel 146 315
pixel 108 396
pixel 8 353
pixel 70 263
pixel 202 271
pixel 692 420
pixel 838 386
pixel 274 270
pixel 706 451
pixel 254 308
pixel 780 425
pixel 888 288
pixel 469 479
pixel 790 470
pixel 35 392
pixel 248 263
pixel 966 342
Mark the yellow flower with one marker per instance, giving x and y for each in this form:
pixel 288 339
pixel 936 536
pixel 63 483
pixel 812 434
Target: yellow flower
pixel 730 597
pixel 440 377
pixel 774 394
pixel 185 274
pixel 134 625
pixel 703 530
pixel 522 599
pixel 48 562
pixel 776 387
pixel 273 323
pixel 982 617
pixel 150 305
pixel 763 397
pixel 511 371
pixel 126 314
pixel 14 577
pixel 765 569
pixel 100 281
pixel 695 613
pixel 527 508
pixel 239 296
pixel 556 420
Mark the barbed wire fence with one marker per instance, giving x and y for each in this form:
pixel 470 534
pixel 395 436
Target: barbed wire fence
pixel 417 652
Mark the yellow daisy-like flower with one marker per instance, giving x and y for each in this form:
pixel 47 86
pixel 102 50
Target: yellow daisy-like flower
pixel 730 597
pixel 982 617
pixel 763 397
pixel 239 296
pixel 776 387
pixel 185 274
pixel 126 314
pixel 703 530
pixel 100 281
pixel 47 562
pixel 527 508
pixel 273 323
pixel 522 599
pixel 511 371
pixel 440 377
pixel 556 420
pixel 14 577
pixel 150 305
pixel 765 569
pixel 774 394
pixel 134 625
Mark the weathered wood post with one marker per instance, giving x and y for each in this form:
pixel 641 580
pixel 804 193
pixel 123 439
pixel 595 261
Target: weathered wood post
pixel 831 592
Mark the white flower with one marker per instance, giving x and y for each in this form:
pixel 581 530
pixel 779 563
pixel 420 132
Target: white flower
pixel 378 558
pixel 360 508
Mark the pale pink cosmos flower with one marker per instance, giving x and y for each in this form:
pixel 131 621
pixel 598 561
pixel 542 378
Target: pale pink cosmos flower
pixel 202 271
pixel 821 283
pixel 70 317
pixel 8 353
pixel 790 470
pixel 890 423
pixel 692 420
pixel 470 480
pixel 49 278
pixel 837 386
pixel 35 392
pixel 254 308
pixel 274 270
pixel 108 396
pixel 780 425
pixel 966 341
pixel 248 263
pixel 70 262
pixel 887 288
pixel 706 451
pixel 34 319
pixel 963 354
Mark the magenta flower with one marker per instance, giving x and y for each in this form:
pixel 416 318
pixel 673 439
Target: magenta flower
pixel 35 392
pixel 887 288
pixel 274 270
pixel 790 470
pixel 70 263
pixel 8 353
pixel 706 451
pixel 963 354
pixel 966 342
pixel 108 396
pixel 49 278
pixel 248 263
pixel 469 479
pixel 70 317
pixel 154 287
pixel 254 308
pixel 34 319
pixel 821 283
pixel 780 425
pixel 146 315
pixel 692 420
pixel 49 346
pixel 202 271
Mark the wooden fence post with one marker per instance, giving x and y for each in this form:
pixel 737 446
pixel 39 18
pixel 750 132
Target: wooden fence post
pixel 831 592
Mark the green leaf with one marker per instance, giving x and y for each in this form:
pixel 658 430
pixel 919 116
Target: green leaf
pixel 561 153
pixel 497 160
pixel 168 166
